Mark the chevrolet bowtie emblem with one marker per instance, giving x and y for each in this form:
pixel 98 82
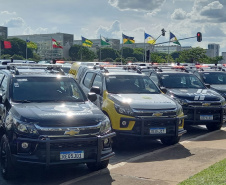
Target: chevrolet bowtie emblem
pixel 206 104
pixel 71 132
pixel 157 114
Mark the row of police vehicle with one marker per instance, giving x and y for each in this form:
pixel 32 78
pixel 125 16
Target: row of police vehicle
pixel 51 118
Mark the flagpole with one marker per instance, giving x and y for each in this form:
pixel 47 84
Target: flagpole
pixel 26 49
pixel 122 49
pixel 0 48
pixel 168 48
pixel 144 56
pixel 100 48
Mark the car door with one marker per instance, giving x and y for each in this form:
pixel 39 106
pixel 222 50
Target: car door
pixel 86 82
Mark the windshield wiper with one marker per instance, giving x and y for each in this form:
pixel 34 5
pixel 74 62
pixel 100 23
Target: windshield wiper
pixel 23 101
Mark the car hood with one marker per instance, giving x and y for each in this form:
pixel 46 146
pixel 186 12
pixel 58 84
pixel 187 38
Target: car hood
pixel 220 88
pixel 145 101
pixel 195 94
pixel 58 114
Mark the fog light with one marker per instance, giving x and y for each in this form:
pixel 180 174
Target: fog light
pixel 24 145
pixel 124 123
pixel 106 141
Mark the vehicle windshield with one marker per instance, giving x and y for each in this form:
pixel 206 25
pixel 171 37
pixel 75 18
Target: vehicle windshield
pixel 130 84
pixel 214 78
pixel 172 80
pixel 39 89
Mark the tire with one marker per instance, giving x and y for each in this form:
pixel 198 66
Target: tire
pixel 98 165
pixel 170 140
pixel 212 127
pixel 7 169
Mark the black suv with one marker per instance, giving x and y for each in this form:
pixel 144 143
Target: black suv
pixel 202 105
pixel 46 119
pixel 215 77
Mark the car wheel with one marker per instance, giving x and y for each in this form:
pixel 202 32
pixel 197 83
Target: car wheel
pixel 213 127
pixel 7 168
pixel 98 165
pixel 170 140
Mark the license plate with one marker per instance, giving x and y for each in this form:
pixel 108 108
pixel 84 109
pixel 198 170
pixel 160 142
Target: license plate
pixel 71 155
pixel 157 130
pixel 206 117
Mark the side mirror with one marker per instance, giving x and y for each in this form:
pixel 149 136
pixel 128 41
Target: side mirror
pixel 95 89
pixel 163 89
pixel 92 96
pixel 207 85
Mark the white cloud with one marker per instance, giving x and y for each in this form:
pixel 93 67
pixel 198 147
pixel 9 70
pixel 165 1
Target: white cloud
pixel 111 32
pixel 137 5
pixel 7 13
pixel 179 14
pixel 15 22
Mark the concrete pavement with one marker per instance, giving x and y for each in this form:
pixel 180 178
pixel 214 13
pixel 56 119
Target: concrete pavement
pixel 167 166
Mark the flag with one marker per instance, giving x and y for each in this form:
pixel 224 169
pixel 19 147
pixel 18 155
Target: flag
pixel 56 44
pixel 173 39
pixel 127 39
pixel 31 45
pixel 6 44
pixel 86 42
pixel 149 39
pixel 104 41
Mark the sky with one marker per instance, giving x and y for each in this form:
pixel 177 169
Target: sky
pixel 111 18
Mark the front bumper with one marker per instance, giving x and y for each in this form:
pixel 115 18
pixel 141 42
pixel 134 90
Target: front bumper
pixel 144 124
pixel 194 115
pixel 47 150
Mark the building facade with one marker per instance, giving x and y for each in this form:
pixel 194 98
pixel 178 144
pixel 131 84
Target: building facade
pixel 45 45
pixel 213 50
pixel 3 32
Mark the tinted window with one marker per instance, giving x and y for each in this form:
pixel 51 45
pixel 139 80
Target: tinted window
pixel 88 79
pixel 214 78
pixel 181 81
pixel 46 89
pixel 97 81
pixel 131 84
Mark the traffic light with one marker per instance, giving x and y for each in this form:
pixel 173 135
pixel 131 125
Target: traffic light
pixel 199 36
pixel 163 31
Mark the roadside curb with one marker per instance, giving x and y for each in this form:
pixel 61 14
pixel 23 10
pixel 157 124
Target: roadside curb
pixel 133 159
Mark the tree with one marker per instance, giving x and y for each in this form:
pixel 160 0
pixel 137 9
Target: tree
pixel 138 53
pixel 86 54
pixel 192 55
pixel 107 53
pixel 18 49
pixel 73 52
pixel 127 52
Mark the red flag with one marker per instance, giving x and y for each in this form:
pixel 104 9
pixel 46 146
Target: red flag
pixel 56 44
pixel 7 45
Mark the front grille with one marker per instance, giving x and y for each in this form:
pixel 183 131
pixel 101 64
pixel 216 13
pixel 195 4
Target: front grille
pixel 168 124
pixel 148 112
pixel 200 104
pixel 194 114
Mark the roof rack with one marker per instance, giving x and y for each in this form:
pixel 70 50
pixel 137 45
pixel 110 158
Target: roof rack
pixel 50 68
pixel 13 69
pixel 34 65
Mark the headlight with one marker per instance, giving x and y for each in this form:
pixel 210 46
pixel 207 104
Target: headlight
pixel 105 127
pixel 124 109
pixel 25 128
pixel 223 102
pixel 182 102
pixel 179 109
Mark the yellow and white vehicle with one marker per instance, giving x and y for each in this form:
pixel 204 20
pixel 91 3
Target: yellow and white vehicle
pixel 135 105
